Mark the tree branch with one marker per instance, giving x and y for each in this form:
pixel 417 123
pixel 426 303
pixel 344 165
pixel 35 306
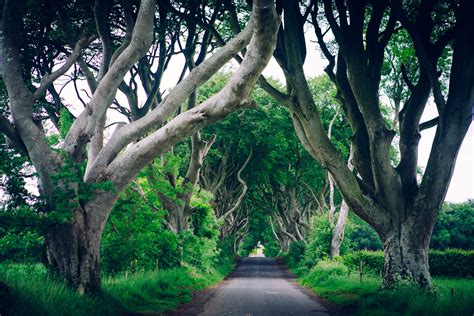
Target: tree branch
pixel 12 136
pixel 84 126
pixel 49 79
pixel 244 187
pixel 264 25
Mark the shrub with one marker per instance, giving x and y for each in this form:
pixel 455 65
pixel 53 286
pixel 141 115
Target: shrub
pixel 25 246
pixel 319 241
pixel 451 262
pixel 272 248
pixel 295 253
pixel 360 235
pixel 135 238
pixel 372 261
pixel 454 227
pixel 199 252
pixel 324 270
pixel 21 235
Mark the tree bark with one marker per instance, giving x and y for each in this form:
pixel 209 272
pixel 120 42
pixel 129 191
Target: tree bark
pixel 406 255
pixel 73 247
pixel 338 231
pixel 73 251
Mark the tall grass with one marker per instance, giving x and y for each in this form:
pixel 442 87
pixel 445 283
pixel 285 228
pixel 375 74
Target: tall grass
pixel 342 290
pixel 454 296
pixel 32 291
pixel 413 301
pixel 158 291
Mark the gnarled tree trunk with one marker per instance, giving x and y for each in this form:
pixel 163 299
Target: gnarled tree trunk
pixel 73 251
pixel 73 248
pixel 406 246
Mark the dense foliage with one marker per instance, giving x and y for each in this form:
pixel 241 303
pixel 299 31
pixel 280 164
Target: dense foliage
pixel 454 227
pixel 450 262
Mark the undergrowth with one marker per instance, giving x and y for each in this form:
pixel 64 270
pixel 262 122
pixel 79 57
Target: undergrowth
pixel 454 296
pixel 30 290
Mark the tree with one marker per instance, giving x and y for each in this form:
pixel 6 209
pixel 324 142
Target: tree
pixel 388 196
pixel 454 227
pixel 82 177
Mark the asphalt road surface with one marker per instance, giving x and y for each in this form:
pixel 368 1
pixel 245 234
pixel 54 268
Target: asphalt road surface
pixel 259 287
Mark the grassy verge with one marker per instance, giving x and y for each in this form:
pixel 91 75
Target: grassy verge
pixel 31 291
pixel 454 296
pixel 158 291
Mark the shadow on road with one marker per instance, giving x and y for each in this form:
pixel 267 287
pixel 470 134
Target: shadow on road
pixel 260 267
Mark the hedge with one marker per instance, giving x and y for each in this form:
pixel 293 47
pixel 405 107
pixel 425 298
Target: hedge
pixel 450 262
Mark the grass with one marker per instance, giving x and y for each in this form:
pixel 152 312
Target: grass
pixel 454 296
pixel 159 291
pixel 343 290
pixel 31 291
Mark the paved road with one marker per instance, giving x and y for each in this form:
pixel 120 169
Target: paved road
pixel 259 287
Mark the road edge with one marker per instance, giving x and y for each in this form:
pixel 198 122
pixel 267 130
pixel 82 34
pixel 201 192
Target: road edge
pixel 200 298
pixel 333 309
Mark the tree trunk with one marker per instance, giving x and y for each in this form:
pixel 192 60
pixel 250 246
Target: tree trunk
pixel 73 250
pixel 406 255
pixel 178 218
pixel 338 232
pixel 285 243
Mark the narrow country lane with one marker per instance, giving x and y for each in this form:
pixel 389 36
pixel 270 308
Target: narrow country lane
pixel 258 287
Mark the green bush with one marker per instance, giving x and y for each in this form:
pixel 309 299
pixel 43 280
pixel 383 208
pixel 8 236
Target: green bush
pixel 360 235
pixel 272 248
pixel 324 270
pixel 135 238
pixel 319 242
pixel 25 246
pixel 372 261
pixel 451 262
pixel 21 234
pixel 199 244
pixel 198 252
pixel 454 227
pixel 295 254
